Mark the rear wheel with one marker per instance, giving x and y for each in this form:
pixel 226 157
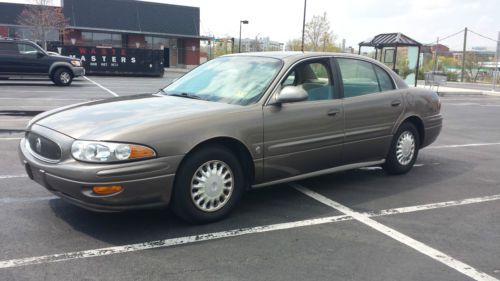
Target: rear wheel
pixel 208 185
pixel 404 150
pixel 62 77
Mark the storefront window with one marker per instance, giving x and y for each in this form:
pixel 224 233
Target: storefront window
pixel 101 39
pixel 156 43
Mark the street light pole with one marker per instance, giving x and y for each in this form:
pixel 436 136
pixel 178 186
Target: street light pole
pixel 496 69
pixel 304 25
pixel 239 42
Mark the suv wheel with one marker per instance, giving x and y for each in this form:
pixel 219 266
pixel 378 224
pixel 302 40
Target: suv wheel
pixel 62 77
pixel 208 185
pixel 404 150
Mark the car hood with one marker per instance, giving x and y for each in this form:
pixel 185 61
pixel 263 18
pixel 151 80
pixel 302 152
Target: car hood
pixel 120 118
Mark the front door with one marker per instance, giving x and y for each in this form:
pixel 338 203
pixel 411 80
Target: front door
pixel 306 136
pixel 32 60
pixel 372 106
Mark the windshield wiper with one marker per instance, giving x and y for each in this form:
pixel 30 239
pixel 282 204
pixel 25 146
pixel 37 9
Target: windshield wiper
pixel 184 95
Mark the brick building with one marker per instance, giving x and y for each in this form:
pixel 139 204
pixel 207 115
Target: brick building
pixel 171 29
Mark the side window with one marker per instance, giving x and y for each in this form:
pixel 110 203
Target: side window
pixel 7 48
pixel 358 77
pixel 27 50
pixel 290 79
pixel 384 79
pixel 314 77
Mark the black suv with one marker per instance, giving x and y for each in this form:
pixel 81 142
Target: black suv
pixel 25 58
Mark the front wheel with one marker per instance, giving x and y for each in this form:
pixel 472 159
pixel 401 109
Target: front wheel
pixel 62 77
pixel 208 185
pixel 404 150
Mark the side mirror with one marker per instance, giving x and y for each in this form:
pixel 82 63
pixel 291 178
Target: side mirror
pixel 40 55
pixel 291 94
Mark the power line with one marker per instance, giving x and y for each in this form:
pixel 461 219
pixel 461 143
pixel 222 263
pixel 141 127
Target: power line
pixel 485 37
pixel 446 37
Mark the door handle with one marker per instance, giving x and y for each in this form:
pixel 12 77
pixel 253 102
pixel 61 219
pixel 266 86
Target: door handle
pixel 396 103
pixel 333 112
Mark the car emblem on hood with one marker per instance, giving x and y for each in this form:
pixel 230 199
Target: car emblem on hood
pixel 38 145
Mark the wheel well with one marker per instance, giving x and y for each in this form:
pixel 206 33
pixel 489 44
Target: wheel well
pixel 51 75
pixel 239 150
pixel 417 122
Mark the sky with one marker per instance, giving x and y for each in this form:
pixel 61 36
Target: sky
pixel 422 20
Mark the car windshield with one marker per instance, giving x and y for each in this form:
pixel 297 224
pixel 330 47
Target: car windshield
pixel 233 80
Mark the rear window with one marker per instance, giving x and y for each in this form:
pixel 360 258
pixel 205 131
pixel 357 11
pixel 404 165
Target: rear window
pixel 7 48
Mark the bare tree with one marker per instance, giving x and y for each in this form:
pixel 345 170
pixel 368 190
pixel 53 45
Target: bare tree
pixel 472 66
pixel 42 18
pixel 319 35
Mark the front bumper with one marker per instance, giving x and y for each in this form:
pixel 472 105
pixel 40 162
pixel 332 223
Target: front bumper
pixel 78 71
pixel 146 184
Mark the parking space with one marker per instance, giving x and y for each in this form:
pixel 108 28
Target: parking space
pixel 438 222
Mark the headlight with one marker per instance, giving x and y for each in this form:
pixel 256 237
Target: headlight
pixel 103 152
pixel 76 63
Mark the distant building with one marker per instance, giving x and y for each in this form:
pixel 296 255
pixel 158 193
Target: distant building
pixel 442 50
pixel 263 44
pixel 482 55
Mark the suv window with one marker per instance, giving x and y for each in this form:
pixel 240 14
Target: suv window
pixel 314 77
pixel 27 49
pixel 7 48
pixel 358 77
pixel 384 79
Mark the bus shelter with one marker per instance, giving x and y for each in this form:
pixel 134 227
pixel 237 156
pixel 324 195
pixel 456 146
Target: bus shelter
pixel 396 50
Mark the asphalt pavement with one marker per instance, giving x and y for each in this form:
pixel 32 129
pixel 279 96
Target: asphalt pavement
pixel 438 222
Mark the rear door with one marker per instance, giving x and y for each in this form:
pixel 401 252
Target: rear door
pixel 372 106
pixel 9 57
pixel 304 137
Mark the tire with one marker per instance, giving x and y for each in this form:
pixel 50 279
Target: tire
pixel 221 197
pixel 404 150
pixel 62 77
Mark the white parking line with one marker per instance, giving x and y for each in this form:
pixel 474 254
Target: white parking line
pixel 400 237
pixel 26 199
pixel 230 233
pixel 43 99
pixel 101 86
pixel 462 145
pixel 9 139
pixel 12 176
pixel 166 242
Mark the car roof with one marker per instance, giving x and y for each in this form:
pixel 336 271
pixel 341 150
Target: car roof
pixel 294 55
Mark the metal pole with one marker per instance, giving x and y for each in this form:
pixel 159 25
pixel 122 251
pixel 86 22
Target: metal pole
pixel 435 68
pixel 463 55
pixel 418 66
pixel 496 68
pixel 239 42
pixel 304 25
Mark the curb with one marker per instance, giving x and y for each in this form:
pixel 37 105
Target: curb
pixel 458 94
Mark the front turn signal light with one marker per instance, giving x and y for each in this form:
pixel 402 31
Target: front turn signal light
pixel 139 151
pixel 107 189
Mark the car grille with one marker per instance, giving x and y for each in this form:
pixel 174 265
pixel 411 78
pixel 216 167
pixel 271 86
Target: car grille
pixel 43 148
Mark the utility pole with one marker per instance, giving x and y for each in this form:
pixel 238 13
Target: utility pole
pixel 435 68
pixel 304 25
pixel 463 55
pixel 239 42
pixel 496 69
